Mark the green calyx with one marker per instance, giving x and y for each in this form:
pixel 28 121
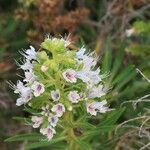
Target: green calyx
pixel 55 46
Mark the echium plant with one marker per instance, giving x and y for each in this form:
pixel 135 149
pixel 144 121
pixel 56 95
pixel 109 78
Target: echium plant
pixel 57 82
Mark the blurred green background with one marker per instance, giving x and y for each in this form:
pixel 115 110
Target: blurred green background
pixel 119 32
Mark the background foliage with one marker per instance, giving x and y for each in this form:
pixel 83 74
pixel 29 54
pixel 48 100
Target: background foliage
pixel 101 25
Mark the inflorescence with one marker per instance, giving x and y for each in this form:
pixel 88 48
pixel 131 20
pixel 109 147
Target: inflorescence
pixel 57 79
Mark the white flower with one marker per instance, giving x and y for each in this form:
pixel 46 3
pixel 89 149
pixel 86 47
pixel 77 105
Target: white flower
pixel 89 63
pixel 55 95
pixel 89 77
pixel 73 96
pixel 80 53
pixel 101 108
pixel 96 92
pixel 129 32
pixel 26 95
pixel 95 107
pixel 19 87
pixel 53 120
pixel 94 77
pixel 37 121
pixel 38 88
pixel 20 101
pixel 91 109
pixel 49 132
pixel 26 92
pixel 27 65
pixel 44 68
pixel 83 76
pixel 31 53
pixel 87 59
pixel 59 109
pixel 70 76
pixel 29 77
pixel 45 111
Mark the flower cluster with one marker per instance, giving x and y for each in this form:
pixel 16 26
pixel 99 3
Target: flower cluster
pixel 56 80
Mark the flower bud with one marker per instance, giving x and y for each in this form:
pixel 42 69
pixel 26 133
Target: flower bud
pixel 69 108
pixel 54 45
pixel 42 56
pixel 52 65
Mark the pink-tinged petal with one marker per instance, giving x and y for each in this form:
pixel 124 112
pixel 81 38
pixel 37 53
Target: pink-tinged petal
pixel 95 107
pixel 91 109
pixel 70 76
pixel 73 96
pixel 59 109
pixel 37 121
pixel 38 88
pixel 49 132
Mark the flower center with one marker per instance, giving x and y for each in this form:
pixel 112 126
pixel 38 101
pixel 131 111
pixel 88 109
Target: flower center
pixel 39 87
pixel 49 131
pixel 56 95
pixel 73 96
pixel 91 108
pixel 69 75
pixel 59 108
pixel 52 119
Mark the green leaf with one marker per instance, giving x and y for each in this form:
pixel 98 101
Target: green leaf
pixel 23 120
pixel 32 111
pixel 126 80
pixel 124 74
pixel 24 137
pixel 142 27
pixel 112 117
pixel 106 63
pixel 44 143
pixel 38 102
pixel 99 130
pixel 83 145
pixel 117 63
pixel 86 125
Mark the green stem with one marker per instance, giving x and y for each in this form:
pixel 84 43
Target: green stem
pixel 71 138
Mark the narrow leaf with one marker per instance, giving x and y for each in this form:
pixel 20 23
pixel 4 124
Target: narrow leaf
pixel 23 137
pixel 112 118
pixel 44 143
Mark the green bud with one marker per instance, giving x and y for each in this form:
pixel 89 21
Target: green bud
pixel 54 45
pixel 37 67
pixel 52 65
pixel 68 105
pixel 42 55
pixel 68 63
